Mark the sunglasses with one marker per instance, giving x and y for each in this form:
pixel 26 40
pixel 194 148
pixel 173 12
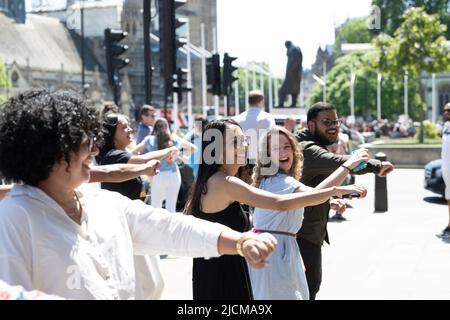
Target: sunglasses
pixel 446 110
pixel 329 123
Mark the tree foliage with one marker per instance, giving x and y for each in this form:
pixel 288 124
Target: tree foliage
pixel 392 11
pixel 352 31
pixel 338 88
pixel 4 83
pixel 418 46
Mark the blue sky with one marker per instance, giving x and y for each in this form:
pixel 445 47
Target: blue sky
pixel 257 29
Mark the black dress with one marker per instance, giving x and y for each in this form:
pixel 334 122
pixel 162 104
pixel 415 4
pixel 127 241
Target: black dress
pixel 226 277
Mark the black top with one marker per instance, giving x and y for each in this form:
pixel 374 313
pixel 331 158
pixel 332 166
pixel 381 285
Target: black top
pixel 130 188
pixel 226 277
pixel 318 164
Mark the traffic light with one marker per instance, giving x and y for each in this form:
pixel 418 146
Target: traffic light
pixel 113 52
pixel 213 74
pixel 169 41
pixel 228 77
pixel 179 83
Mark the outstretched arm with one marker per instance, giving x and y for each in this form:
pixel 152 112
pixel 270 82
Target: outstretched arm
pixel 237 190
pixel 122 172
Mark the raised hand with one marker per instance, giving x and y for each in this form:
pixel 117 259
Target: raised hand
pixel 386 168
pixel 361 155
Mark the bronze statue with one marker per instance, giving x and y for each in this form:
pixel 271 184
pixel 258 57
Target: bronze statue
pixel 294 70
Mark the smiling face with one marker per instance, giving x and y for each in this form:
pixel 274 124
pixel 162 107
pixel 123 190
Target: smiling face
pixel 235 146
pixel 282 153
pixel 123 135
pixel 78 171
pixel 325 126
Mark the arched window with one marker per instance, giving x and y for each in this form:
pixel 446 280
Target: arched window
pixel 15 79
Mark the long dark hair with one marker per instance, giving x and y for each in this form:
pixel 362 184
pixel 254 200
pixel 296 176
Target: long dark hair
pixel 109 127
pixel 207 170
pixel 161 131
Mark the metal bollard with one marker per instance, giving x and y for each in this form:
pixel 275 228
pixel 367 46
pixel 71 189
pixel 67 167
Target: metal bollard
pixel 381 199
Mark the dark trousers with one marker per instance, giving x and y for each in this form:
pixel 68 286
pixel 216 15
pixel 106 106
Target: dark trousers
pixel 312 258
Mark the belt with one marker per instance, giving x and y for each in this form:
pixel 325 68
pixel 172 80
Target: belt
pixel 284 233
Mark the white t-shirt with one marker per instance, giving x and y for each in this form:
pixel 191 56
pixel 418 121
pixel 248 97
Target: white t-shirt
pixel 42 248
pixel 446 147
pixel 255 122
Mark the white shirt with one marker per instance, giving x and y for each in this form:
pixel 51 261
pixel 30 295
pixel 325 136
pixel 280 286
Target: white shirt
pixel 42 248
pixel 255 122
pixel 446 147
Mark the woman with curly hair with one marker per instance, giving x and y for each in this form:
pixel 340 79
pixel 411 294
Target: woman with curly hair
pixel 285 278
pixel 80 244
pixel 217 195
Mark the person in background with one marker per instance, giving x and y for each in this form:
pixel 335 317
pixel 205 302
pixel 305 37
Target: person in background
pixel 341 147
pixel 290 124
pixel 255 122
pixel 446 164
pixel 195 137
pixel 319 163
pixel 80 245
pixel 147 116
pixel 166 185
pixel 117 137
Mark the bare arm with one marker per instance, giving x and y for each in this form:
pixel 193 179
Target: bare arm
pixel 122 172
pixel 153 155
pixel 237 190
pixel 138 148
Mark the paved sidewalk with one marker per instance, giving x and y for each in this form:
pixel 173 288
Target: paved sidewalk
pixel 392 255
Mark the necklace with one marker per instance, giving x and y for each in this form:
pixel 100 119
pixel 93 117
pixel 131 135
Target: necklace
pixel 76 214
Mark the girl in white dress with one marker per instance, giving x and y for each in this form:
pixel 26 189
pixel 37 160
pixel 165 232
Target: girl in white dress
pixel 278 170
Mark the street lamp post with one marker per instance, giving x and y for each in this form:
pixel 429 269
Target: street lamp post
pixel 323 84
pixel 82 45
pixel 379 78
pixel 352 94
pixel 406 93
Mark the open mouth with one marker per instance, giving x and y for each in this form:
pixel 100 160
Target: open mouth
pixel 332 131
pixel 284 160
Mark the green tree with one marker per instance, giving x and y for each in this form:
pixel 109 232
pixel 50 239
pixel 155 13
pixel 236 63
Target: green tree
pixel 392 11
pixel 352 31
pixel 4 83
pixel 418 46
pixel 338 88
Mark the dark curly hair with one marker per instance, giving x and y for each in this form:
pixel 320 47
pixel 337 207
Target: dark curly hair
pixel 39 128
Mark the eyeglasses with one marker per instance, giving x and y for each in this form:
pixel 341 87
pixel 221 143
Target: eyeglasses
pixel 241 140
pixel 329 122
pixel 446 110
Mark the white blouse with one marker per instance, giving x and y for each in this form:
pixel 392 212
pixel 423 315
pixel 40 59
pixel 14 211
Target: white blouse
pixel 42 248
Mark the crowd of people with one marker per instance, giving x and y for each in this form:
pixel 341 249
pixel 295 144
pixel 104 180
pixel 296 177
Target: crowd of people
pixel 254 222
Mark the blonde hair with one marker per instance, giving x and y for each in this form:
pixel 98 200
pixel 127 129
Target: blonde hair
pixel 264 160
